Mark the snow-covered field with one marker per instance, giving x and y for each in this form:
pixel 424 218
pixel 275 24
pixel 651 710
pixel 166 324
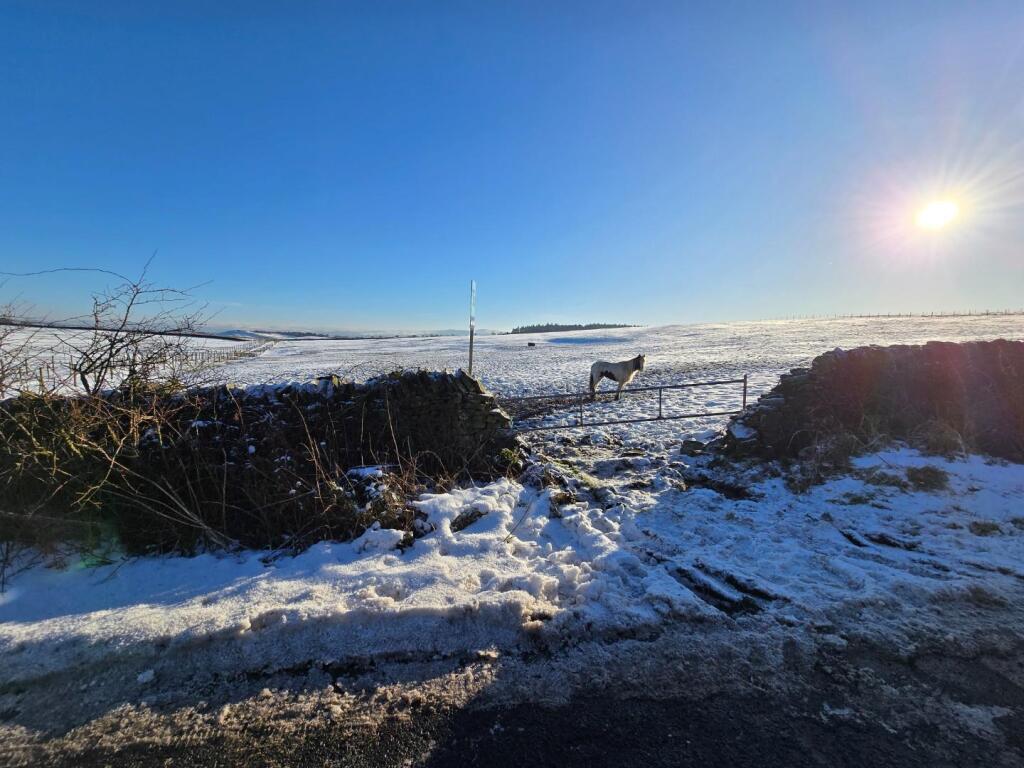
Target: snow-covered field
pixel 638 540
pixel 561 362
pixel 675 354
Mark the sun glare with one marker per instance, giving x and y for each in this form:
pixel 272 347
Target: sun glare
pixel 938 214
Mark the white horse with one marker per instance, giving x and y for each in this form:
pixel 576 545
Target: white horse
pixel 621 373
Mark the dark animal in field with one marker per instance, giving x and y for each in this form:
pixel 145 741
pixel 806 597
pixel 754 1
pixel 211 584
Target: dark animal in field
pixel 621 373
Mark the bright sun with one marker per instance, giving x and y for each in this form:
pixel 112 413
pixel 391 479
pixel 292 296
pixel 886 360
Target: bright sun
pixel 937 214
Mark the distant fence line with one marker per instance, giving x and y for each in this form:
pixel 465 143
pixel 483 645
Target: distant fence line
pixel 968 313
pixel 66 326
pixel 218 356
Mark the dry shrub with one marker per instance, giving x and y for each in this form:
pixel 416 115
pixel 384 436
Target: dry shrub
pixel 938 438
pixel 140 465
pixel 827 453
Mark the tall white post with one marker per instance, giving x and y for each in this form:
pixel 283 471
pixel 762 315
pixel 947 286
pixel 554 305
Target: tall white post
pixel 472 321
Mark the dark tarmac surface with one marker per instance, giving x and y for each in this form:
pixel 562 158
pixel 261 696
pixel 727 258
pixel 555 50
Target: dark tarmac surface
pixel 722 730
pixel 669 700
pixel 589 732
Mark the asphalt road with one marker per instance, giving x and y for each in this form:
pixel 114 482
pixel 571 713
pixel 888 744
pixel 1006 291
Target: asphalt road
pixel 854 709
pixel 752 731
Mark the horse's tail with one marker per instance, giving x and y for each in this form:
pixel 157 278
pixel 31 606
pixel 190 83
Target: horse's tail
pixel 593 385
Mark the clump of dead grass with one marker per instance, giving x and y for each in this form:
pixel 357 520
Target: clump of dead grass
pixel 880 477
pixel 928 478
pixel 983 527
pixel 938 438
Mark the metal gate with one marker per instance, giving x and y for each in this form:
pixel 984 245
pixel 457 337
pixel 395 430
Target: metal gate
pixel 577 399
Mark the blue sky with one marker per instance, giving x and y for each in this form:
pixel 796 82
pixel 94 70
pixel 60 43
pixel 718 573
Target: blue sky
pixel 353 165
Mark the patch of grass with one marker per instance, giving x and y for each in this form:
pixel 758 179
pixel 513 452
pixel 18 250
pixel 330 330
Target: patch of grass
pixel 928 478
pixel 826 455
pixel 882 478
pixel 974 594
pixel 589 481
pixel 855 498
pixel 983 527
pixel 985 598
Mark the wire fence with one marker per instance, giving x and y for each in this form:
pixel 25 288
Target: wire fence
pixel 43 369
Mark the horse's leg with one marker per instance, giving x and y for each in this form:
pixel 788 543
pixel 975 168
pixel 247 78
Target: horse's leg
pixel 593 389
pixel 619 390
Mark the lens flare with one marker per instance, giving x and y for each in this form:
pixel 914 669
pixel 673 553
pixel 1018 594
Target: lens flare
pixel 937 214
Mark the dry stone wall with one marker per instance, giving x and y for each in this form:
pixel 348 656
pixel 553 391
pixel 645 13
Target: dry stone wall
pixel 973 390
pixel 269 466
pixel 448 422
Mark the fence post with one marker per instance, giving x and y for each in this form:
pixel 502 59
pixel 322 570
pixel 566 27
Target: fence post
pixel 744 391
pixel 660 390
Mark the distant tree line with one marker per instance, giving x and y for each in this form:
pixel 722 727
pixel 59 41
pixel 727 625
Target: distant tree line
pixel 549 327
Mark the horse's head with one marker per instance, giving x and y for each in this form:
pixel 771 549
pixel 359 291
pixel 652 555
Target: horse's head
pixel 638 362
